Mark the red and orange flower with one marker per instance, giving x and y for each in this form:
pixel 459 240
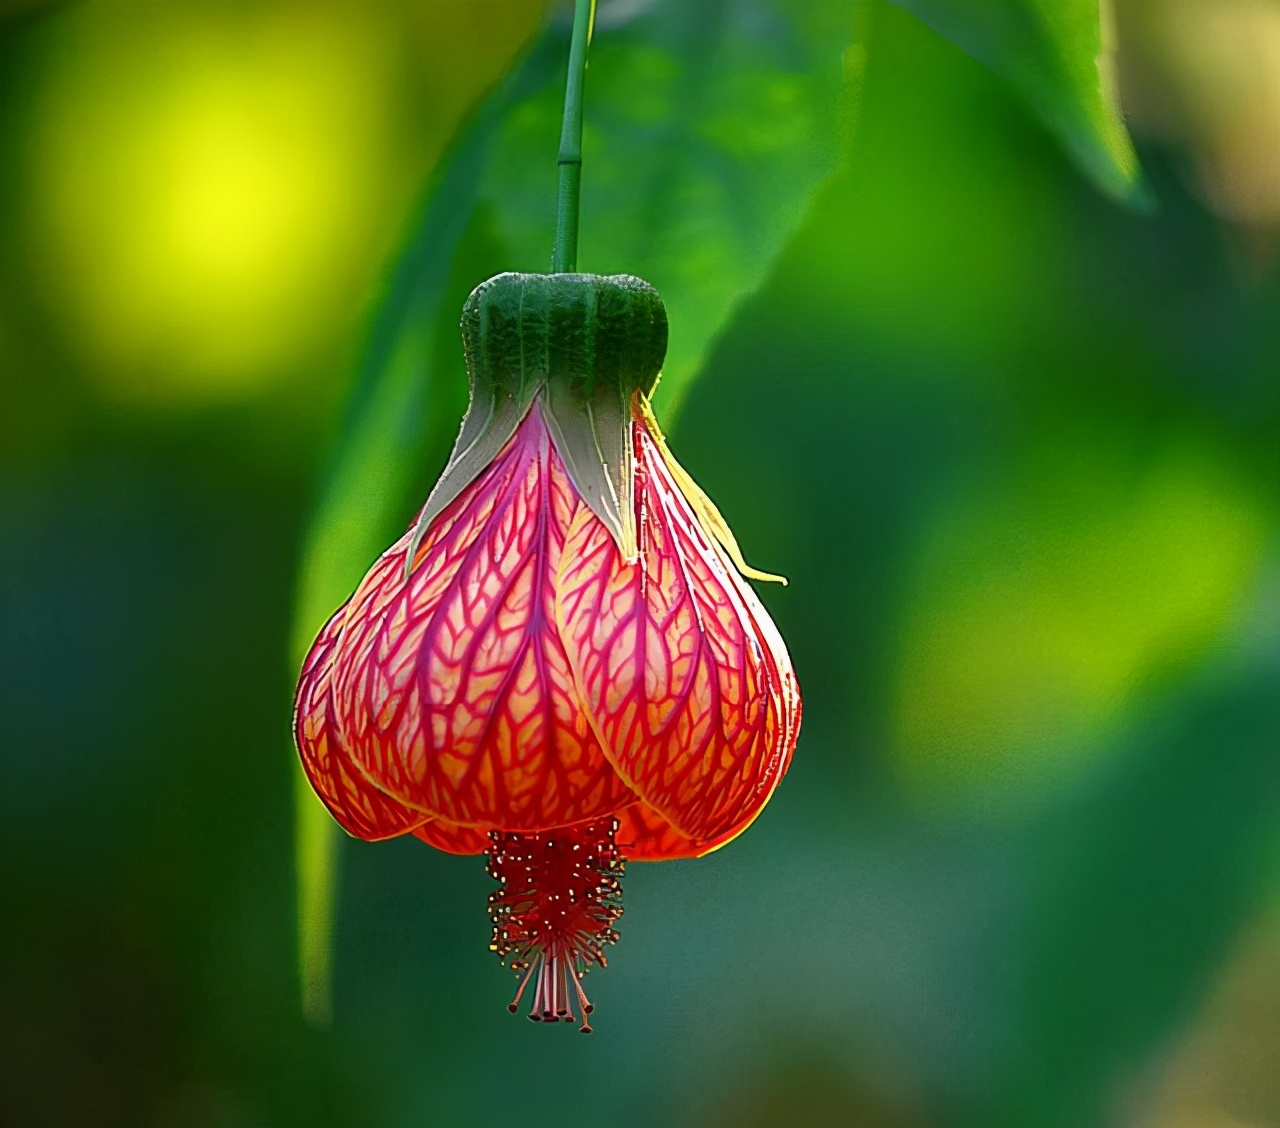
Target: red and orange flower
pixel 560 664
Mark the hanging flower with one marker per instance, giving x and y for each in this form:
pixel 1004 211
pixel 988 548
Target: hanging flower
pixel 560 664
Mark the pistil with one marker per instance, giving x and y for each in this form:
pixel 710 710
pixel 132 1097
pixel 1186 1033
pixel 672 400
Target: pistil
pixel 553 917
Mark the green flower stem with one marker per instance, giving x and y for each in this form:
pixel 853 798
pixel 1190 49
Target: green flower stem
pixel 565 256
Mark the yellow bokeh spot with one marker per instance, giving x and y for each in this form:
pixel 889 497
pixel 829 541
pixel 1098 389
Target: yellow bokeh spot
pixel 1038 616
pixel 211 187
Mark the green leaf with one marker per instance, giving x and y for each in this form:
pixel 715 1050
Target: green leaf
pixel 1057 53
pixel 708 127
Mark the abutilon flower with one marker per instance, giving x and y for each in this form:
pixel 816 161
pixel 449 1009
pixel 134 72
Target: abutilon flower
pixel 560 664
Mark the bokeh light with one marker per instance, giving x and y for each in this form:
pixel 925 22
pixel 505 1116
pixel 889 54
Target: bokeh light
pixel 1043 611
pixel 210 186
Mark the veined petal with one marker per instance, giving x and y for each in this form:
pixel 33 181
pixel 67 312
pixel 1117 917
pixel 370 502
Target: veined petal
pixel 452 689
pixel 357 805
pixel 687 681
pixel 453 839
pixel 643 835
pixel 491 419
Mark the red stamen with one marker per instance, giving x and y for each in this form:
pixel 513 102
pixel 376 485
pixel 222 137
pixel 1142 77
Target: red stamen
pixel 561 896
pixel 514 1005
pixel 583 1001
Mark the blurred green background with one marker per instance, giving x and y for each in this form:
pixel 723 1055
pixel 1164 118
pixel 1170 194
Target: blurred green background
pixel 1016 446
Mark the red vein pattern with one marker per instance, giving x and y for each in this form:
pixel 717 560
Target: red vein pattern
pixel 526 678
pixel 359 807
pixel 643 835
pixel 453 690
pixel 453 839
pixel 683 673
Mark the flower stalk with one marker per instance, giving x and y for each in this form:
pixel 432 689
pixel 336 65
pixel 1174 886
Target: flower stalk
pixel 564 258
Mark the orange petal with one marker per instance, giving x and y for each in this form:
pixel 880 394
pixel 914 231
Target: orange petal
pixel 453 839
pixel 359 807
pixel 688 682
pixel 643 835
pixel 452 689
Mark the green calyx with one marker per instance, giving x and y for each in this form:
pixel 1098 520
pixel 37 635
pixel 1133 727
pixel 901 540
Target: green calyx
pixel 581 346
pixel 584 332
